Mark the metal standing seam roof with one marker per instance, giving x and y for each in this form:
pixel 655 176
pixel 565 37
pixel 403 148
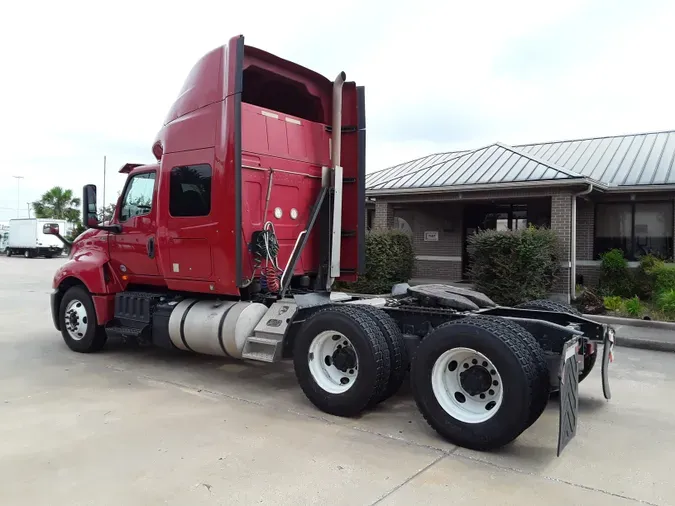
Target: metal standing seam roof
pixel 625 160
pixel 497 163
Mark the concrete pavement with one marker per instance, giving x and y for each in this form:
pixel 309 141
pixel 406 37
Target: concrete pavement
pixel 143 427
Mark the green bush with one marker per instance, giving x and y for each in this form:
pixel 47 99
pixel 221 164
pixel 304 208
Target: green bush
pixel 612 302
pixel 633 306
pixel 514 266
pixel 615 276
pixel 666 301
pixel 389 260
pixel 664 278
pixel 645 278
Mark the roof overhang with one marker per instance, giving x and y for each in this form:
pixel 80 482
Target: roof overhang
pixel 539 184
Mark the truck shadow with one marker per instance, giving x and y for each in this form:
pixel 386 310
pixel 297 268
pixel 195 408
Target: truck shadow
pixel 275 386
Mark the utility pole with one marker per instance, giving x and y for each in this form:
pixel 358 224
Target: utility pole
pixel 28 206
pixel 18 191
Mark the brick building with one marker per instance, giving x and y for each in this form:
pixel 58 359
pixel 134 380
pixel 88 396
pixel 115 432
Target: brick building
pixel 596 193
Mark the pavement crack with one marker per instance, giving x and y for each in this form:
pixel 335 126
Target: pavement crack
pixel 409 479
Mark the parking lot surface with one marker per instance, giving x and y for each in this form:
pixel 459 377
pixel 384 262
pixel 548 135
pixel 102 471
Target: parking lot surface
pixel 133 426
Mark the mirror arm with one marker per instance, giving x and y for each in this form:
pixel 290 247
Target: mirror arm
pixel 64 240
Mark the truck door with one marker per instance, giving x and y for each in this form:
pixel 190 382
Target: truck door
pixel 132 252
pixel 191 219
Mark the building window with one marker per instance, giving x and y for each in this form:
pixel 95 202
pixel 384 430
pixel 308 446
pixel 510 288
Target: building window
pixel 635 228
pixel 190 193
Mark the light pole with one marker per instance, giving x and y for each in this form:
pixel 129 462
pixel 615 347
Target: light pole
pixel 18 191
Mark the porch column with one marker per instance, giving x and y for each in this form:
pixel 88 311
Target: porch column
pixel 561 224
pixel 384 216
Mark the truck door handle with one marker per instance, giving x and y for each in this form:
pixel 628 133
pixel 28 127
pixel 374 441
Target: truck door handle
pixel 151 247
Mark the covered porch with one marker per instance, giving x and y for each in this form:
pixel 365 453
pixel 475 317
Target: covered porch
pixel 440 225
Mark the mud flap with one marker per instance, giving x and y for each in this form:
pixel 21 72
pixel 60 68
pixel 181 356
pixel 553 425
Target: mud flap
pixel 607 357
pixel 569 394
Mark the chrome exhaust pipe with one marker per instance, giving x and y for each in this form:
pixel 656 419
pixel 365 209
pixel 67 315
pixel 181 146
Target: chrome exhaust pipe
pixel 336 141
pixel 336 181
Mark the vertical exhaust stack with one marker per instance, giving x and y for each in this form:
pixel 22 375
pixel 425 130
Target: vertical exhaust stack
pixel 336 180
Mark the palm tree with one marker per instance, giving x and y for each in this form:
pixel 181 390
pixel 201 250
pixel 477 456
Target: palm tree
pixel 59 204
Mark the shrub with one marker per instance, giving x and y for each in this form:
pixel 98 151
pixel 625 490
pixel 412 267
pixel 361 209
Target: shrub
pixel 612 302
pixel 389 260
pixel 664 278
pixel 513 266
pixel 666 301
pixel 633 306
pixel 615 277
pixel 645 278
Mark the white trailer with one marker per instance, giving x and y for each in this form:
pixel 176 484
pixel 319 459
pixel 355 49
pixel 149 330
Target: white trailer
pixel 27 238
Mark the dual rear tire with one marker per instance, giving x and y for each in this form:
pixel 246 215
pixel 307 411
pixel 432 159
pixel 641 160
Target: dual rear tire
pixel 349 358
pixel 479 381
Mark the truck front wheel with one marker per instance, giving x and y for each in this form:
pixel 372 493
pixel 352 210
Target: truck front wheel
pixel 79 327
pixel 341 360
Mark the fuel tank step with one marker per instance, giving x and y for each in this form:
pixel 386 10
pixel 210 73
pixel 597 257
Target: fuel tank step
pixel 263 349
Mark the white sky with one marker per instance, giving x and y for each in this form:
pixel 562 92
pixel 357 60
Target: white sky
pixel 80 80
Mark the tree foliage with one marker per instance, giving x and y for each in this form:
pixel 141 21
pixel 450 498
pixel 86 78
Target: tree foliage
pixel 59 204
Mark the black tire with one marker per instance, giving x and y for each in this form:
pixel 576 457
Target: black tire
pixel 398 354
pixel 512 358
pixel 8 252
pixel 549 305
pixel 370 346
pixel 543 385
pixel 94 338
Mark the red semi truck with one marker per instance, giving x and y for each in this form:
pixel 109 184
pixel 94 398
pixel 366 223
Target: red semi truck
pixel 230 244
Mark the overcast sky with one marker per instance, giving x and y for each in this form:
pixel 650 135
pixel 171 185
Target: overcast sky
pixel 81 80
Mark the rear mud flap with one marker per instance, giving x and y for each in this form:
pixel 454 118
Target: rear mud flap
pixel 607 357
pixel 569 394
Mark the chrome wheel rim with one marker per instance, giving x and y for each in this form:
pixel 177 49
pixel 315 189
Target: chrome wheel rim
pixel 76 320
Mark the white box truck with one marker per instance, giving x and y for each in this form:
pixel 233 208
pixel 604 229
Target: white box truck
pixel 27 238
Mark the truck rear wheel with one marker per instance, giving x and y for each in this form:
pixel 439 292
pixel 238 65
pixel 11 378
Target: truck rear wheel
pixel 475 382
pixel 543 385
pixel 398 353
pixel 341 360
pixel 77 319
pixel 549 305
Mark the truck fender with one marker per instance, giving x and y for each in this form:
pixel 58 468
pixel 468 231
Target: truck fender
pixel 91 270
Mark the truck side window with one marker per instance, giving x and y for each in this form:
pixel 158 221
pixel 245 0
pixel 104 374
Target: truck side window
pixel 190 191
pixel 138 197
